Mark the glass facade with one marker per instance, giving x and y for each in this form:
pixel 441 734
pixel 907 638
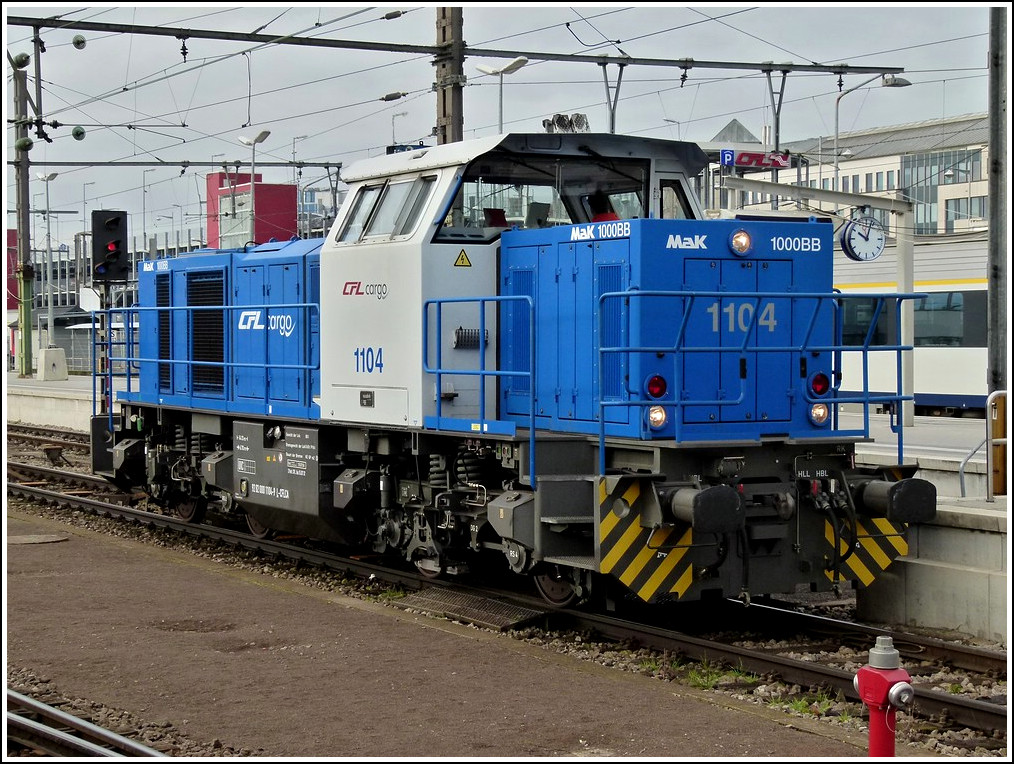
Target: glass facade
pixel 923 174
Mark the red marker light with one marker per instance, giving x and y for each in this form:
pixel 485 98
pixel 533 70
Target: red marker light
pixel 657 386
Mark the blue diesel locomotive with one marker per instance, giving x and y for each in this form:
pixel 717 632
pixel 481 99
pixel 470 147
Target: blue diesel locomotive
pixel 472 364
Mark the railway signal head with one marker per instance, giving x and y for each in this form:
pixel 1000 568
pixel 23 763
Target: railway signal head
pixel 110 261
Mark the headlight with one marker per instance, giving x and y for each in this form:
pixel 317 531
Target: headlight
pixel 656 416
pixel 819 413
pixel 741 242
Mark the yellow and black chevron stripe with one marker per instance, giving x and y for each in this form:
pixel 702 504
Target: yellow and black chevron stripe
pixel 880 542
pixel 653 563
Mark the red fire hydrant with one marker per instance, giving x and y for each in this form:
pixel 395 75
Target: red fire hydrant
pixel 884 687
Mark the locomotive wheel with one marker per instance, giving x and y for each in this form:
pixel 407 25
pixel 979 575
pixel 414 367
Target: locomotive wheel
pixel 256 528
pixel 190 509
pixel 556 586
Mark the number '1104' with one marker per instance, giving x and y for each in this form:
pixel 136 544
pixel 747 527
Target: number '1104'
pixel 369 360
pixel 739 315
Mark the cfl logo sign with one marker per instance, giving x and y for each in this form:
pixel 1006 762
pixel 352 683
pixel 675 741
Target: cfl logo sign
pixel 358 288
pixel 762 160
pixel 282 323
pixel 250 319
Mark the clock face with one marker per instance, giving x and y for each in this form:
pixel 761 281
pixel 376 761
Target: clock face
pixel 863 239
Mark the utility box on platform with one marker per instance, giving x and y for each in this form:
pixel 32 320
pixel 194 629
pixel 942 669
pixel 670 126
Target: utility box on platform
pixel 52 365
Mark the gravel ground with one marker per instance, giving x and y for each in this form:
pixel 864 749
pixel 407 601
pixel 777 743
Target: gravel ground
pixel 914 738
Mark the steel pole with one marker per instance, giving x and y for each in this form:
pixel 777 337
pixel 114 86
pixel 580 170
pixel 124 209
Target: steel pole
pixel 49 275
pixel 500 120
pixel 25 269
pixel 253 183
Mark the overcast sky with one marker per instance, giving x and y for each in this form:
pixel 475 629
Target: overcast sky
pixel 139 99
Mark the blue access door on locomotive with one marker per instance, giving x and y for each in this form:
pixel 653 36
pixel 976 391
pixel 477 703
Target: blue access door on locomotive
pixel 231 330
pixel 652 311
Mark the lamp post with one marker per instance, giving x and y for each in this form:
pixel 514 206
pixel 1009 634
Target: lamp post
pixel 886 81
pixel 49 263
pixel 172 227
pixel 394 141
pixel 84 205
pixel 252 143
pixel 224 167
pixel 35 227
pixel 144 212
pixel 297 138
pixel 180 229
pixel 171 217
pixel 508 68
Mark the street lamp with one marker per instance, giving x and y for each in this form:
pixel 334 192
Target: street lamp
pixel 252 143
pixel 294 176
pixel 509 68
pixel 886 81
pixel 35 227
pixel 393 140
pixel 84 206
pixel 49 262
pixel 144 213
pixel 180 208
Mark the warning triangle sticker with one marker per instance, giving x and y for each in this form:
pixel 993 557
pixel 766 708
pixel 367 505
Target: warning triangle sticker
pixel 463 261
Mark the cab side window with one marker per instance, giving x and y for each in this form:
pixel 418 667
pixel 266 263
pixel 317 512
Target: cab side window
pixel 387 210
pixel 675 202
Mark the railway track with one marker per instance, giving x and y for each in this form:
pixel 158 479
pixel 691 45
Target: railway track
pixel 63 438
pixel 25 472
pixel 826 672
pixel 796 661
pixel 35 728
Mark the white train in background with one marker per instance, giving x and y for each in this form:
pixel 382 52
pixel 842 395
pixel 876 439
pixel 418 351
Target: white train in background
pixel 950 356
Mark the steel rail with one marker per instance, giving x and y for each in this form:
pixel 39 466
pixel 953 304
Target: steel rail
pixel 58 733
pixel 58 475
pixel 977 714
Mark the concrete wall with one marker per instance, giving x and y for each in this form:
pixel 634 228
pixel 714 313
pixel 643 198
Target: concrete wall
pixel 954 577
pixel 70 411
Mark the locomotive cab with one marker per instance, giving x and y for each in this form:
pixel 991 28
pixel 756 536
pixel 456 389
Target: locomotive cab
pixel 421 244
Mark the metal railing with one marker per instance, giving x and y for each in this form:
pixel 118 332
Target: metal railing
pixel 116 352
pixel 483 424
pixel 813 340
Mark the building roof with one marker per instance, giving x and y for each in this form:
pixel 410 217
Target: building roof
pixel 734 132
pixel 913 138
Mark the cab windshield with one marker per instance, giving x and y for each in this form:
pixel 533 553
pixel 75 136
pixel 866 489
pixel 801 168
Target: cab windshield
pixel 503 190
